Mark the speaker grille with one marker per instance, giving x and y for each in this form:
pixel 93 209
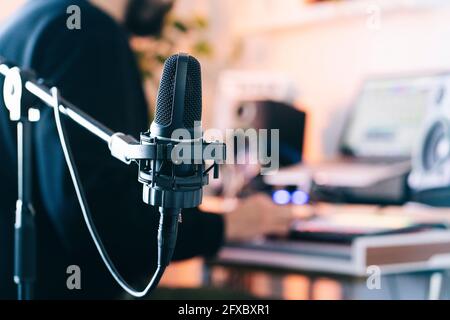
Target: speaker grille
pixel 436 147
pixel 164 105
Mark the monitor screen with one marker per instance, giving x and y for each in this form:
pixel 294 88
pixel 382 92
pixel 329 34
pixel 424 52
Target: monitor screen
pixel 388 115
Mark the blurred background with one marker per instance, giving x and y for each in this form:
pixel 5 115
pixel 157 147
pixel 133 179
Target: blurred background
pixel 333 61
pixel 326 48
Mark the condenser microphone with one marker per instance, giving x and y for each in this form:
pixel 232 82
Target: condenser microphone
pixel 167 183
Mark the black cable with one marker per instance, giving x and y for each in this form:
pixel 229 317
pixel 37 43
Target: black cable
pixel 168 223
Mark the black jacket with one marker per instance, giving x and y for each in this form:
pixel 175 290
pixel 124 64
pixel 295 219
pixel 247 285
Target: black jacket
pixel 95 69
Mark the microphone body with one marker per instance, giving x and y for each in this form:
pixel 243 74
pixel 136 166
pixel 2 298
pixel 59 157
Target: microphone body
pixel 168 183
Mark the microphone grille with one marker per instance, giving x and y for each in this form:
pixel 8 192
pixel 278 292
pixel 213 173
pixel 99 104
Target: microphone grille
pixel 193 95
pixel 165 93
pixel 192 110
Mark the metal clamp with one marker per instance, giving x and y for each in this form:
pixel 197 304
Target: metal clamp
pixel 20 103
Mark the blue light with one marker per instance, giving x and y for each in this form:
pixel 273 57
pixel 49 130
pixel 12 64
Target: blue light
pixel 300 197
pixel 281 197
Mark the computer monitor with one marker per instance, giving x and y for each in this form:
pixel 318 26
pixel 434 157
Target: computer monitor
pixel 275 115
pixel 388 114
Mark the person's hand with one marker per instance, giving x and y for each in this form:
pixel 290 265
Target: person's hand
pixel 257 216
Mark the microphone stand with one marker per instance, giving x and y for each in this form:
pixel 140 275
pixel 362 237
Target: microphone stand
pixel 24 94
pixel 25 225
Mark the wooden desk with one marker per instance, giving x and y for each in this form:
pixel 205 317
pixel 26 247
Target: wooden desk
pixel 295 270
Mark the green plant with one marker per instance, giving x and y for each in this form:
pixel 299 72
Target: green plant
pixel 151 52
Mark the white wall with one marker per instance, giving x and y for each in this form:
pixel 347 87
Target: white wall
pixel 8 6
pixel 328 58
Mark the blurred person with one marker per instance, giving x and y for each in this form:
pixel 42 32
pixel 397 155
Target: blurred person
pixel 95 69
